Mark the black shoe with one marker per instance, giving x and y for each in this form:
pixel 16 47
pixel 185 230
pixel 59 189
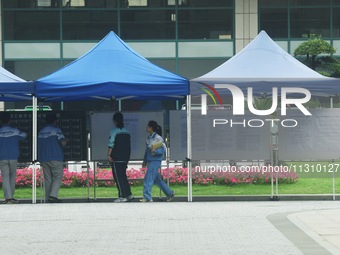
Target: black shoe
pixel 8 201
pixel 53 200
pixel 14 201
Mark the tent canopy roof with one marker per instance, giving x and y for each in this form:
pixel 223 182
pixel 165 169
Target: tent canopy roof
pixel 13 88
pixel 111 70
pixel 262 64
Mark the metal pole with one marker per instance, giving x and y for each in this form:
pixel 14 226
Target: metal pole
pixel 189 151
pixel 167 160
pixel 94 180
pixel 88 165
pixel 333 182
pixel 34 149
pixel 331 102
pixel 271 162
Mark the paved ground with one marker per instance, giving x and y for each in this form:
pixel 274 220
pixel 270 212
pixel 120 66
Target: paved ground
pixel 273 227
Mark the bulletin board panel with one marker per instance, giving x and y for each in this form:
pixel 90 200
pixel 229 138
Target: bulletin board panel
pixel 221 142
pixel 73 125
pixel 315 137
pixel 134 122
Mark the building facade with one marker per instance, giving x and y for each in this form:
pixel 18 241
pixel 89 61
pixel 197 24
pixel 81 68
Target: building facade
pixel 187 37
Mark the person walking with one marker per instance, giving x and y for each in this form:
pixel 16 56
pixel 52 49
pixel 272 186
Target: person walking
pixel 51 156
pixel 119 150
pixel 9 154
pixel 154 152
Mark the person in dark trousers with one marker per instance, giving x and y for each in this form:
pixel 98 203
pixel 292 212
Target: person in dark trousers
pixel 51 156
pixel 154 152
pixel 119 150
pixel 9 154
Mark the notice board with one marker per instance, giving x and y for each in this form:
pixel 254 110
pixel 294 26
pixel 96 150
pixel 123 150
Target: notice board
pixel 221 142
pixel 135 122
pixel 315 137
pixel 73 125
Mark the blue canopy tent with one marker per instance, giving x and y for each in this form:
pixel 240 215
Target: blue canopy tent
pixel 111 70
pixel 13 88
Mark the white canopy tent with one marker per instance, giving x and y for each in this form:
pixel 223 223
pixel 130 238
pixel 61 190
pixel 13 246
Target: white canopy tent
pixel 262 65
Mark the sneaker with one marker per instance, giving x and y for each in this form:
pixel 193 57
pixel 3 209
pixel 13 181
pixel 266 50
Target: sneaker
pixel 169 199
pixel 14 201
pixel 120 200
pixel 8 201
pixel 129 198
pixel 53 200
pixel 145 200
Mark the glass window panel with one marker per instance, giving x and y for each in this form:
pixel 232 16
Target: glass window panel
pixel 309 22
pixel 138 3
pixel 271 3
pixel 19 3
pixel 336 22
pixel 309 2
pixel 206 3
pixel 336 2
pixel 147 24
pixel 31 25
pixel 192 68
pixel 274 21
pixel 159 3
pixel 205 24
pixel 44 3
pixel 88 25
pixel 105 3
pixel 33 69
pixel 74 3
pixel 171 2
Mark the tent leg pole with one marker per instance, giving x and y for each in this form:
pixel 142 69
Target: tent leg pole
pixel 189 151
pixel 34 149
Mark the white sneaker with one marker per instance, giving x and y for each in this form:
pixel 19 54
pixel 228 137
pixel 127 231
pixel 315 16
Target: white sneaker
pixel 145 201
pixel 120 200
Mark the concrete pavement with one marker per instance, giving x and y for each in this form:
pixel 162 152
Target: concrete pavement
pixel 272 227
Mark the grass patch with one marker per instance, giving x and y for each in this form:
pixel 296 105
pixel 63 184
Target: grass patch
pixel 302 186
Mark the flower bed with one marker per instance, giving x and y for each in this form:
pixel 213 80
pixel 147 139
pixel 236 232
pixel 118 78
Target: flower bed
pixel 176 176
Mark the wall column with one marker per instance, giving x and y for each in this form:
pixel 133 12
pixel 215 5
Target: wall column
pixel 246 22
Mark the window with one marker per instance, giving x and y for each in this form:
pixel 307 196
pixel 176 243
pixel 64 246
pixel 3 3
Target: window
pixel 206 3
pixel 31 25
pixel 310 2
pixel 138 3
pixel 74 3
pixel 88 25
pixel 205 24
pixel 309 22
pixel 147 24
pixel 275 22
pixel 271 3
pixel 336 22
pixel 43 3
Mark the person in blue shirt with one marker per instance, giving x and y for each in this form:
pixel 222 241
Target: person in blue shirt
pixel 51 157
pixel 119 150
pixel 9 154
pixel 154 152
